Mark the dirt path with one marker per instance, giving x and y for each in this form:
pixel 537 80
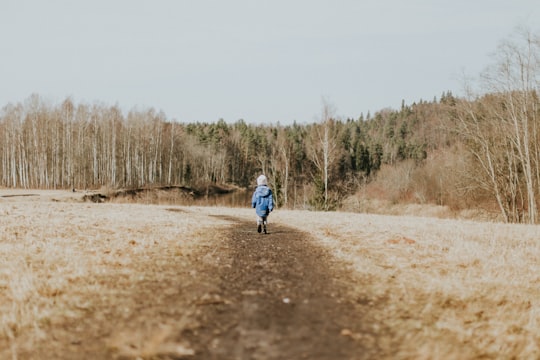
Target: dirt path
pixel 242 296
pixel 278 297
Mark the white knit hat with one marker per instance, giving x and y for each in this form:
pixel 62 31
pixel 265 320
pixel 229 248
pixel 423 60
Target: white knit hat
pixel 261 180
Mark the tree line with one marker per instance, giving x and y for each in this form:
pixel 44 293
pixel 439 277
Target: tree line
pixel 84 146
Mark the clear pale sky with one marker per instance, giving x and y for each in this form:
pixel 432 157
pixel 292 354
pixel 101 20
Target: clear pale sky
pixel 257 60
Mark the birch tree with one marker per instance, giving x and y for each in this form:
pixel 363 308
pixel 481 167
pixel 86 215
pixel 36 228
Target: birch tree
pixel 322 149
pixel 502 128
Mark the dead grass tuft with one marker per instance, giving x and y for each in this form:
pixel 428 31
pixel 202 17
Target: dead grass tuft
pixel 149 344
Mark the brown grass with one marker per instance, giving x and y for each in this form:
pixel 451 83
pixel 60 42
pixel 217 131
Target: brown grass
pixel 447 289
pixel 56 255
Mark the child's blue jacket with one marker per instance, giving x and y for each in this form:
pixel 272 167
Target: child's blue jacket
pixel 262 200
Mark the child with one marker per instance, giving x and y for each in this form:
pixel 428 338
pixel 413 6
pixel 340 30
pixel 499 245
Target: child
pixel 263 202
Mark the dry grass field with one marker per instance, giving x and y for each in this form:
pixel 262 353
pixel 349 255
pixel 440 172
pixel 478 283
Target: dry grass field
pixel 448 289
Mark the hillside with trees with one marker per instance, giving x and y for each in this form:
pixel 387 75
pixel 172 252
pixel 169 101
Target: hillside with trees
pixel 477 151
pixel 90 146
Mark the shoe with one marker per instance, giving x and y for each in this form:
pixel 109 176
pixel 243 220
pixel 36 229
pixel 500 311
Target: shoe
pixel 259 228
pixel 264 229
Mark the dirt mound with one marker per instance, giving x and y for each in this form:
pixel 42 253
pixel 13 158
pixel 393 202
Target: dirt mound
pixel 160 194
